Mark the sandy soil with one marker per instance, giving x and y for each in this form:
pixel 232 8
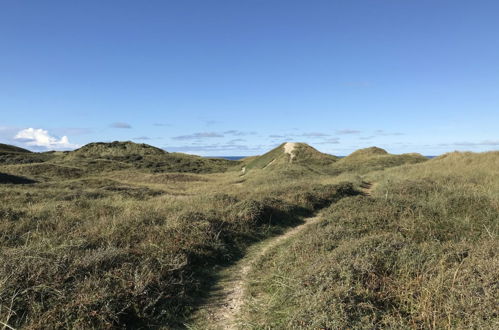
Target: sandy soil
pixel 288 148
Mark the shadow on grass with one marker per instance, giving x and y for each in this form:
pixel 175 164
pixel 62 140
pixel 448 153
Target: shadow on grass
pixel 14 179
pixel 278 222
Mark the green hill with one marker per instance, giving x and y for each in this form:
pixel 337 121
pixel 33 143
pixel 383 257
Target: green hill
pixel 119 155
pixel 374 158
pixel 368 152
pixel 11 148
pixel 115 150
pixel 291 155
pixel 10 154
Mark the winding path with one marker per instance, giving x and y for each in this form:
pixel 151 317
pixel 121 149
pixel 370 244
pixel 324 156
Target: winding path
pixel 221 309
pixel 224 303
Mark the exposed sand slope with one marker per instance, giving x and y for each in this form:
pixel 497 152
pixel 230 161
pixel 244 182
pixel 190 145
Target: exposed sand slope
pixel 289 147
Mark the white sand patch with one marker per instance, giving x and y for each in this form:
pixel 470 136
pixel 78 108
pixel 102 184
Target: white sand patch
pixel 272 162
pixel 289 147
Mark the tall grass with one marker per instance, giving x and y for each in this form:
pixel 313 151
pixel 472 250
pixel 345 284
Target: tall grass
pixel 131 249
pixel 420 252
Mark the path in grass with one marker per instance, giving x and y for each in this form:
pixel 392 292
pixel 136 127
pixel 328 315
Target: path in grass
pixel 225 301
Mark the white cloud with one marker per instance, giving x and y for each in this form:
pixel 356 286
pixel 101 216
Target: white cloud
pixel 40 138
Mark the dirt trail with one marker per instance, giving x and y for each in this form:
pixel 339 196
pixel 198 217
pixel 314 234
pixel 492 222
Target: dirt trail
pixel 225 302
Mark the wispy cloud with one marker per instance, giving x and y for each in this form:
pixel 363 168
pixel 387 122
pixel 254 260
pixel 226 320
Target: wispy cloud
pixel 236 141
pixel 347 131
pixel 120 125
pixel 198 136
pixel 315 135
pixel 329 141
pixel 238 133
pixel 142 138
pixel 41 139
pixel 381 132
pixel 214 148
pixel 472 144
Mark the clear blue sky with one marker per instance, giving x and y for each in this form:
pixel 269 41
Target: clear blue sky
pixel 237 77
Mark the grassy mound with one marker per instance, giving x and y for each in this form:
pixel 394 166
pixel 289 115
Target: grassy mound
pixel 368 152
pixel 372 159
pixel 11 148
pixel 121 155
pixel 45 171
pixel 14 155
pixel 419 253
pixel 114 150
pixel 302 155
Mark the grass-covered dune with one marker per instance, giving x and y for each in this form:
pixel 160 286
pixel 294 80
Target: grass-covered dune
pixel 291 156
pixel 131 248
pixel 118 235
pixel 9 148
pixel 14 155
pixel 419 251
pixel 117 155
pixel 371 159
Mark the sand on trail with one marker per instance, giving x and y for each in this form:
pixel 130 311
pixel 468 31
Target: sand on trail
pixel 289 147
pixel 225 301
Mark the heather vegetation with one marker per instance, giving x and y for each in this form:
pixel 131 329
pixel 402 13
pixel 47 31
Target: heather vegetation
pixel 123 235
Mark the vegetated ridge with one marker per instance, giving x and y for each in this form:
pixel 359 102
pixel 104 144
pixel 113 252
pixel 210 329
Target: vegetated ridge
pixel 127 235
pixel 290 155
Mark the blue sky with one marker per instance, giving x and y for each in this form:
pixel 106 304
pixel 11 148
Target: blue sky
pixel 239 77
